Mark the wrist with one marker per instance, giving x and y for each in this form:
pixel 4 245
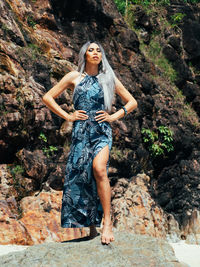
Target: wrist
pixel 69 118
pixel 112 117
pixel 125 111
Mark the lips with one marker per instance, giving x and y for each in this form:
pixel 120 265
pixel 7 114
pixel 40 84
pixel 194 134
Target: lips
pixel 95 58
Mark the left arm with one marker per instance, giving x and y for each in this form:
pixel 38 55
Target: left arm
pixel 130 105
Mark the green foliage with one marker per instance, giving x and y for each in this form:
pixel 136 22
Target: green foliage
pixel 47 149
pixel 177 18
pixel 192 1
pixel 159 2
pixel 30 21
pixel 151 2
pixel 35 49
pixel 17 170
pixel 121 6
pixel 154 52
pixel 141 2
pixel 120 155
pixel 3 110
pixel 43 137
pixel 158 142
pixel 5 28
pixel 31 52
pixel 189 113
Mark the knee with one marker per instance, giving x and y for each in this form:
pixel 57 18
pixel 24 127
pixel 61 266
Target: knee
pixel 100 173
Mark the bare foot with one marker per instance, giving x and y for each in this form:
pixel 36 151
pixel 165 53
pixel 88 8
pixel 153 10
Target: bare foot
pixel 107 233
pixel 93 232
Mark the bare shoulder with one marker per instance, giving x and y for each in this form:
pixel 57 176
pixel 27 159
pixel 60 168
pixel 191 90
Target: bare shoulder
pixel 70 76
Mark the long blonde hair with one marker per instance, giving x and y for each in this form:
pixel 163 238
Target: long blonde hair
pixel 106 76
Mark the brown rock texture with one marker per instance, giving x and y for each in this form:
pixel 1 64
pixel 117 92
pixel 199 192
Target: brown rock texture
pixel 44 210
pixel 39 220
pixel 12 231
pixel 39 44
pixel 135 210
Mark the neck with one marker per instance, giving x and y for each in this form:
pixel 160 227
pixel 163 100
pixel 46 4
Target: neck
pixel 91 69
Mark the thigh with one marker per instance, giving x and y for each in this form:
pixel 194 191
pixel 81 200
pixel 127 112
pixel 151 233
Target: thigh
pixel 101 158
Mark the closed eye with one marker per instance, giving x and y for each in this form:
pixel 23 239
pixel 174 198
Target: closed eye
pixel 92 49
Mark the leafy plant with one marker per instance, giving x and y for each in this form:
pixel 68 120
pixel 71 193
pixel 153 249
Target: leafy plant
pixel 159 142
pixel 141 2
pixel 47 149
pixel 177 18
pixel 121 6
pixel 17 170
pixel 43 137
pixel 30 21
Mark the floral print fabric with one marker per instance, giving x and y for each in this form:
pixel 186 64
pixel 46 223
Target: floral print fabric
pixel 80 202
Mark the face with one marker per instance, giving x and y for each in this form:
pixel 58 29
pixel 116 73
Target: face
pixel 93 54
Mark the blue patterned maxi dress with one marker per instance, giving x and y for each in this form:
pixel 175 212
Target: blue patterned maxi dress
pixel 80 202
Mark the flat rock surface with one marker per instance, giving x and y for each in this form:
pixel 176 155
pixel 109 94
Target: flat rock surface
pixel 187 253
pixel 128 250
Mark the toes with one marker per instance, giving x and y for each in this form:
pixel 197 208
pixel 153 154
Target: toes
pixel 103 240
pixel 106 241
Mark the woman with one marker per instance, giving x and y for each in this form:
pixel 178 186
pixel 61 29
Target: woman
pixel 86 188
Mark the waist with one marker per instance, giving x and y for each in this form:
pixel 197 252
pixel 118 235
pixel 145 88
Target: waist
pixel 92 114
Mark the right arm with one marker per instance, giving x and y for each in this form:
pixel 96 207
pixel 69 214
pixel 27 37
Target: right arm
pixel 66 82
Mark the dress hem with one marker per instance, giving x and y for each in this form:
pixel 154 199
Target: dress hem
pixel 79 226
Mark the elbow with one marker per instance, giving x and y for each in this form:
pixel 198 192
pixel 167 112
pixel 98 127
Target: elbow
pixel 135 104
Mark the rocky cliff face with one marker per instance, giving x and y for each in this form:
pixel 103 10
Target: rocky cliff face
pixel 39 44
pixel 173 32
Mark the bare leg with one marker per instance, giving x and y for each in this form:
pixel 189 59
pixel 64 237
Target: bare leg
pixel 104 192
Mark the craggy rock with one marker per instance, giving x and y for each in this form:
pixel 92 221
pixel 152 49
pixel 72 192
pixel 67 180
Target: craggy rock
pixel 135 210
pixel 12 231
pixel 189 51
pixel 39 44
pixel 191 227
pixel 6 180
pixel 39 220
pixel 33 167
pixel 127 250
pixel 185 194
pixel 14 184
